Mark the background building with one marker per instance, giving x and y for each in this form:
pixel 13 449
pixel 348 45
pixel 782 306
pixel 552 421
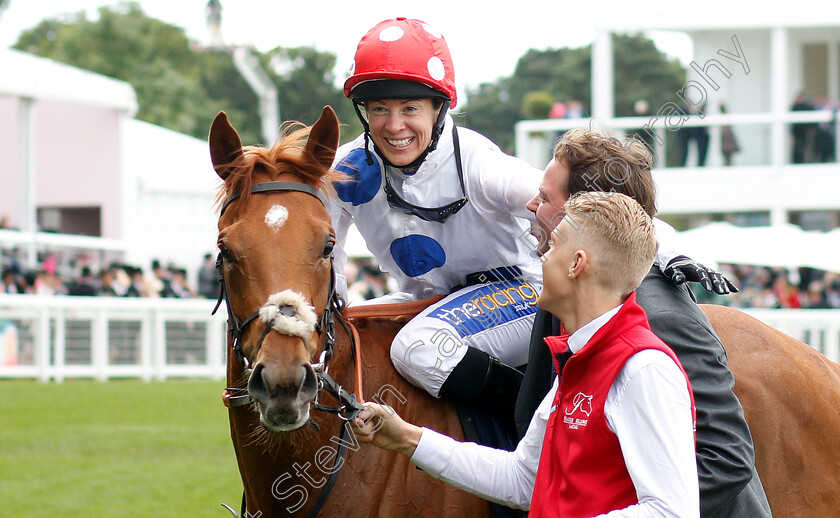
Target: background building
pixel 758 65
pixel 80 174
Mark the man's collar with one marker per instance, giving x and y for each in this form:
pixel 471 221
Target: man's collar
pixel 580 337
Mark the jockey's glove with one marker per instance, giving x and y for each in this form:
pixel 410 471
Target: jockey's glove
pixel 682 269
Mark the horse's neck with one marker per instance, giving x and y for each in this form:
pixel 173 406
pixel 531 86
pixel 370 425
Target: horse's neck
pixel 375 335
pixel 383 385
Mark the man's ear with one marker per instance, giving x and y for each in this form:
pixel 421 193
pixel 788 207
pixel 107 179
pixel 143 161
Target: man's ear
pixel 581 264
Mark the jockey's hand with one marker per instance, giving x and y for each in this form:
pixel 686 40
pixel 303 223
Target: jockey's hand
pixel 381 426
pixel 682 269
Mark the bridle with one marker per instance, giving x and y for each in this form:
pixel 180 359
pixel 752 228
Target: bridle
pixel 350 405
pixel 325 326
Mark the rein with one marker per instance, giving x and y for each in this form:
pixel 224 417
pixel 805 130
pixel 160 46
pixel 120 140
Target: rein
pixel 350 404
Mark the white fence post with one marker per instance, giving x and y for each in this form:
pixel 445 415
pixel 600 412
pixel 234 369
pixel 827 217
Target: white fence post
pixel 832 341
pixel 146 352
pixel 42 344
pixel 100 349
pixel 215 353
pixel 59 345
pixel 159 345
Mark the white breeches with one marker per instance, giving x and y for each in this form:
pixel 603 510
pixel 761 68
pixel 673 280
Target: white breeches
pixel 495 318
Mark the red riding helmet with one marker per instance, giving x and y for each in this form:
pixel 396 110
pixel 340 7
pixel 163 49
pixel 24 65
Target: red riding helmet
pixel 396 55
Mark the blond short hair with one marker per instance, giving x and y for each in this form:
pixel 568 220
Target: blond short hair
pixel 618 232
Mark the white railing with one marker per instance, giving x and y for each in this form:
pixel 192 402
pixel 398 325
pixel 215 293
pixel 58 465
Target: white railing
pixel 534 138
pixel 54 338
pixel 57 337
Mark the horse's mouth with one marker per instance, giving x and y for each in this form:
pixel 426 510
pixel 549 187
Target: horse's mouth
pixel 280 426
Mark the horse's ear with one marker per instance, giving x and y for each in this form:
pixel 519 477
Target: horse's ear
pixel 225 145
pixel 323 138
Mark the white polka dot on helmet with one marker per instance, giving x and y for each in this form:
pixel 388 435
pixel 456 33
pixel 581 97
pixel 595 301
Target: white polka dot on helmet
pixel 405 50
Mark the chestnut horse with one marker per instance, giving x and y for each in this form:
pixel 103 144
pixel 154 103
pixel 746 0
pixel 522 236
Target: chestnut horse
pixel 292 390
pixel 296 454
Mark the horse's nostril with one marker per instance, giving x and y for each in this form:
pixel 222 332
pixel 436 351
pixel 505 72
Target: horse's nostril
pixel 256 384
pixel 309 387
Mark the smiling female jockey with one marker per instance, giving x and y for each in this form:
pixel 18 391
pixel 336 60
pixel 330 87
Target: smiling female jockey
pixel 443 211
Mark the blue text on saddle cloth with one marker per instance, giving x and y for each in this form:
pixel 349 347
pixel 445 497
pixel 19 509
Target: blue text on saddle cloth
pixel 488 306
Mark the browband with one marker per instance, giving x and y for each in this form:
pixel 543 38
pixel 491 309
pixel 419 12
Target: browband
pixel 278 186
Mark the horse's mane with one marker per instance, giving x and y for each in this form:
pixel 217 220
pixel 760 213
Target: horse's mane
pixel 285 156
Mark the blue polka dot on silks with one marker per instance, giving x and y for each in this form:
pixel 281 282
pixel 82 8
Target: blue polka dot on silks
pixel 364 180
pixel 416 254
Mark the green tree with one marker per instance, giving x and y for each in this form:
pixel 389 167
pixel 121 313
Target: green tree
pixel 178 84
pixel 305 84
pixel 228 92
pixel 641 72
pixel 493 111
pixel 124 43
pixel 537 105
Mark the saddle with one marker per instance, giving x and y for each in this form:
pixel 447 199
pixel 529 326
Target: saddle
pixel 402 309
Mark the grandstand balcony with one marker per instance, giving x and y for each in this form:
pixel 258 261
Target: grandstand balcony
pixel 756 64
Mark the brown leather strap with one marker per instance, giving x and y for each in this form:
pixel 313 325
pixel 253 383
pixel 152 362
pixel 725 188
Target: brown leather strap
pixel 390 310
pixel 232 401
pixel 358 382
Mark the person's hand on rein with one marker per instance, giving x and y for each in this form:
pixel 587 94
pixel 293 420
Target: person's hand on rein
pixel 381 426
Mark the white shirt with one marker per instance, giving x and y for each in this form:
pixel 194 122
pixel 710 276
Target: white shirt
pixel 648 407
pixel 490 231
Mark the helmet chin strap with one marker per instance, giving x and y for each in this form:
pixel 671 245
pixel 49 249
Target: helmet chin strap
pixel 436 132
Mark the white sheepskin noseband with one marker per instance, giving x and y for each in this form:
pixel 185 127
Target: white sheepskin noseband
pixel 288 313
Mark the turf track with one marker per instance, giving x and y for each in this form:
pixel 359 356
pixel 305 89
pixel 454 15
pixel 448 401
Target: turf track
pixel 118 449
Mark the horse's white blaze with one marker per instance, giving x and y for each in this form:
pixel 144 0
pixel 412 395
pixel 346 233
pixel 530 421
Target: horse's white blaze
pixel 276 216
pixel 289 313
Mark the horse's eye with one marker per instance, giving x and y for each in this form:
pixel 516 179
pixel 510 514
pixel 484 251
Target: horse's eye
pixel 225 253
pixel 328 248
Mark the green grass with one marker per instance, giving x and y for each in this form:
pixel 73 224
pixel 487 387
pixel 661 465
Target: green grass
pixel 117 449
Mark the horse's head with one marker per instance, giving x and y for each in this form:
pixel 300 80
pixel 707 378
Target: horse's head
pixel 275 247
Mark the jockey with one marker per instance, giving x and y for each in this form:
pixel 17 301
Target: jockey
pixel 443 210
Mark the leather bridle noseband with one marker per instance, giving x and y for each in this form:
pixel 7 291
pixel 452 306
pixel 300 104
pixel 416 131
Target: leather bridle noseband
pixel 350 404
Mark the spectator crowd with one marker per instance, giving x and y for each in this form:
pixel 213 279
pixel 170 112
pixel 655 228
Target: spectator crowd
pixel 365 279
pixel 765 287
pixel 115 280
pixel 760 287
